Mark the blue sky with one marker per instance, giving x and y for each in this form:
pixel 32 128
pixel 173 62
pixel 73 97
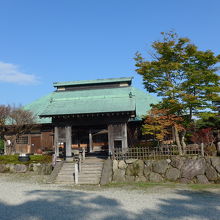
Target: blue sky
pixel 44 41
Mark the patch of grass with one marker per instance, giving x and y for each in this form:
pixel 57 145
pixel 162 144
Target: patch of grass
pixel 13 159
pixel 147 185
pixel 142 185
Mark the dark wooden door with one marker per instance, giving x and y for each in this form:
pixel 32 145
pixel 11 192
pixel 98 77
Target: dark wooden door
pixel 36 143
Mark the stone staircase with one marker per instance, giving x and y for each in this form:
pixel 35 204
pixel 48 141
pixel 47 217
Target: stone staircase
pixel 66 174
pixel 91 171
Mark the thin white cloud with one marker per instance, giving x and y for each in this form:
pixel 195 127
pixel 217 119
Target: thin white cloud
pixel 10 73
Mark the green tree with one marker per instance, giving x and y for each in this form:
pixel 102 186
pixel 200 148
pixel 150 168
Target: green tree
pixel 184 77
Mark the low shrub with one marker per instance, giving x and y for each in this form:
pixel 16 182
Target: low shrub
pixel 1 145
pixel 5 159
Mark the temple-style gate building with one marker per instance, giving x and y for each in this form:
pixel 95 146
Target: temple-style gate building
pixel 98 115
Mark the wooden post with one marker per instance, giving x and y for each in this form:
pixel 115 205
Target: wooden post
pixel 83 154
pixel 76 174
pixel 125 137
pixel 110 140
pixel 90 141
pixel 202 149
pixel 80 163
pixel 68 131
pixel 56 137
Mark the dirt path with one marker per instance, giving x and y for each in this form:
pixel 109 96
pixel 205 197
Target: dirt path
pixel 23 198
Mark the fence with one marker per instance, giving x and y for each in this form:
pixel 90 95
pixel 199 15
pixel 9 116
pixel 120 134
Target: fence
pixel 159 152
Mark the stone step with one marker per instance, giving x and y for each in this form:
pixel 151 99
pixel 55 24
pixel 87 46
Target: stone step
pixel 91 167
pixel 64 180
pixel 67 169
pixel 89 176
pixel 66 173
pixel 92 164
pixel 89 179
pixel 65 165
pixel 65 177
pixel 66 183
pixel 90 173
pixel 93 172
pixel 88 182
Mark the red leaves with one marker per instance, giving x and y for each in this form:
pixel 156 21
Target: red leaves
pixel 204 135
pixel 159 123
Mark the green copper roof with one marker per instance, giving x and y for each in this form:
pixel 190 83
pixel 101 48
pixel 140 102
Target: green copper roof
pixel 97 81
pixel 37 107
pixel 143 101
pixel 90 101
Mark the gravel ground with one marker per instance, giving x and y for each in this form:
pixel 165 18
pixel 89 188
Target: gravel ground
pixel 27 197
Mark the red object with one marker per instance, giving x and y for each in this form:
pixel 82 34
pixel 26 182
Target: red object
pixel 39 151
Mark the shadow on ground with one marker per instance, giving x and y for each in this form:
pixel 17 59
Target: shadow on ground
pixel 55 204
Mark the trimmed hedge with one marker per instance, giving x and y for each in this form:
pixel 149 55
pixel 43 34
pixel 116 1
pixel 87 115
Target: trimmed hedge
pixel 1 144
pixel 13 159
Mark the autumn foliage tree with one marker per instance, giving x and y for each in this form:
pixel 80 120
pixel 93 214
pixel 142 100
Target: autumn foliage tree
pixel 159 123
pixel 184 77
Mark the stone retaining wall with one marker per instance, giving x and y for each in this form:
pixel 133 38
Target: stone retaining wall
pixel 202 170
pixel 37 168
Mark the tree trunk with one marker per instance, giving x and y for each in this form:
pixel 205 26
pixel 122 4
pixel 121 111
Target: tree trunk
pixel 13 144
pixel 183 141
pixel 178 140
pixel 190 113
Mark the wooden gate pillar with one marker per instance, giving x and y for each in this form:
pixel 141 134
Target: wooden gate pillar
pixel 117 136
pixel 90 141
pixel 56 144
pixel 68 131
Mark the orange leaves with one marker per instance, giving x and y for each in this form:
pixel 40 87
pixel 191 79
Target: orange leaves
pixel 159 122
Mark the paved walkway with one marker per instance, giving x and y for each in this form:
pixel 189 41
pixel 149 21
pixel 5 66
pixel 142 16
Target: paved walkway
pixel 33 201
